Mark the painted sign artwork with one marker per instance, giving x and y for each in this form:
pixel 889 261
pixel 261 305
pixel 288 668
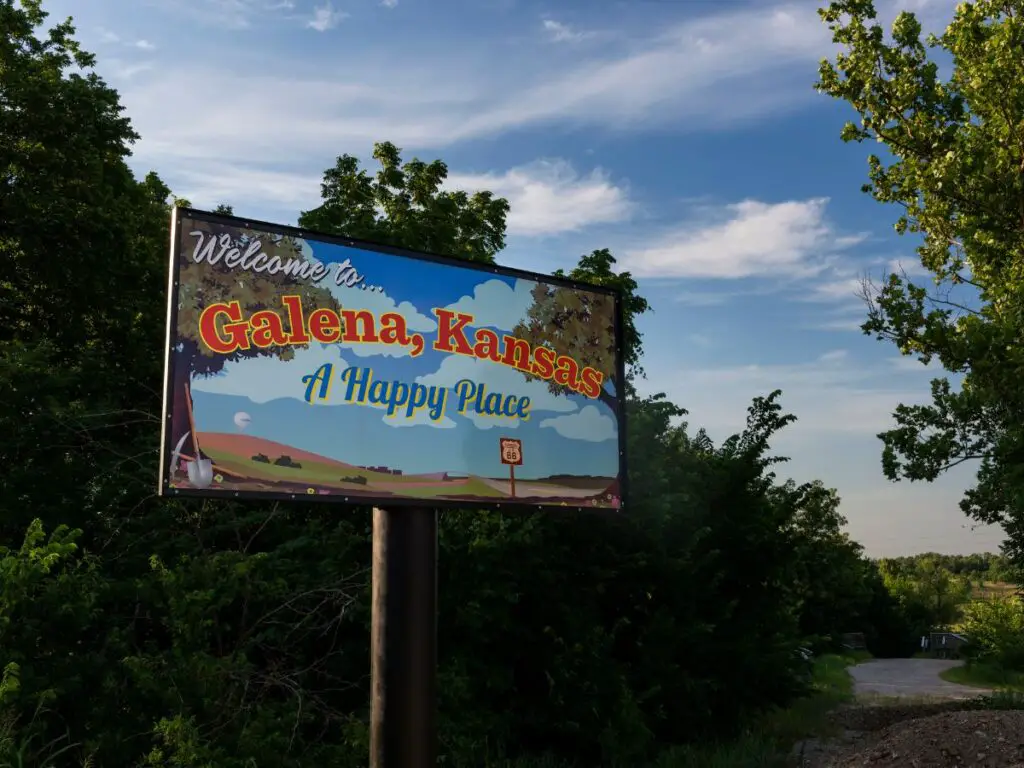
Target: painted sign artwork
pixel 303 365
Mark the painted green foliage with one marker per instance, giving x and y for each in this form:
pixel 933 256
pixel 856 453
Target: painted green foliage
pixel 949 111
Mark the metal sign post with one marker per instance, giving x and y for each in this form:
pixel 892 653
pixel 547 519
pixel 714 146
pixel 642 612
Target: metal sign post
pixel 403 639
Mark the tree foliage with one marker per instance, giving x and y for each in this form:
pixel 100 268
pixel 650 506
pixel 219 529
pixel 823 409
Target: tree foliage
pixel 143 631
pixel 955 170
pixel 405 205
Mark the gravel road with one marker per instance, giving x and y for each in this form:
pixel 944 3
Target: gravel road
pixel 908 677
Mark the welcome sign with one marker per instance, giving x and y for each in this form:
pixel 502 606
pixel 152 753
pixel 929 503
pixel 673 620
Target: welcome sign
pixel 305 365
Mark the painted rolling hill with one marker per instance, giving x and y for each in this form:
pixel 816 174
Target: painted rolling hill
pixel 250 445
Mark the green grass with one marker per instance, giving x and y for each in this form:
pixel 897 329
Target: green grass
pixel 985 676
pixel 768 743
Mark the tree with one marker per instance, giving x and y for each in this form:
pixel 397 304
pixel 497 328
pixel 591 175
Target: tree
pixel 956 171
pixel 404 205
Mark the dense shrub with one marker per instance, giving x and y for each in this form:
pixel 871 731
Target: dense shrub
pixel 995 628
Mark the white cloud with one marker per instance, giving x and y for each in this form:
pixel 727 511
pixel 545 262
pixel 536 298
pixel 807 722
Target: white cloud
pixel 549 197
pixel 560 33
pixel 497 378
pixel 421 419
pixel 695 75
pixel 389 3
pixel 835 289
pixel 118 69
pixel 588 424
pixel 911 267
pixel 745 239
pixel 832 355
pixel 497 305
pixel 144 45
pixel 263 379
pixel 262 193
pixel 325 17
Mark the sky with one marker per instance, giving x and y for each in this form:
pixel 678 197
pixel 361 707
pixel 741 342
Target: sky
pixel 684 135
pixel 354 401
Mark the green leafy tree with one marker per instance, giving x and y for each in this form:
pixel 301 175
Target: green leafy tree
pixel 404 205
pixel 953 167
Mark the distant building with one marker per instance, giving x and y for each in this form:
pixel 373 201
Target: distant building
pixel 946 645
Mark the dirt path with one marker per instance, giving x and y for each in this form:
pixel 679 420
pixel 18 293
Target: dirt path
pixel 909 678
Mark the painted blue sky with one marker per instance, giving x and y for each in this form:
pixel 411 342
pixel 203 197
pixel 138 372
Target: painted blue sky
pixel 685 136
pixel 451 433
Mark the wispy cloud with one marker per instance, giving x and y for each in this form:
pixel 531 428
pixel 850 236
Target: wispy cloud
pixel 561 33
pixel 746 239
pixel 389 3
pixel 325 17
pixel 144 45
pixel 696 75
pixel 550 197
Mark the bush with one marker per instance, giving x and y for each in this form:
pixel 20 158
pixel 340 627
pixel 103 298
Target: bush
pixel 995 629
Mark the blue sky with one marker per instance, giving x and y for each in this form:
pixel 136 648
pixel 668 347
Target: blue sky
pixel 685 136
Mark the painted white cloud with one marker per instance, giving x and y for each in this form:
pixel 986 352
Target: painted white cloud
pixel 325 17
pixel 549 197
pixel 746 239
pixel 497 378
pixel 421 419
pixel 262 379
pixel 494 303
pixel 588 424
pixel 377 302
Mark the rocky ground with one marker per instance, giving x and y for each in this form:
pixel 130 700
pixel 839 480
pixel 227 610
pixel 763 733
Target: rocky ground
pixel 922 735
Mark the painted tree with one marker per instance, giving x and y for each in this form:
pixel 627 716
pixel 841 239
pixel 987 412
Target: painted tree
pixel 581 324
pixel 204 284
pixel 955 171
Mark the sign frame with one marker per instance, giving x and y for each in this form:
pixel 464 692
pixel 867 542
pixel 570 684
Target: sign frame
pixel 166 450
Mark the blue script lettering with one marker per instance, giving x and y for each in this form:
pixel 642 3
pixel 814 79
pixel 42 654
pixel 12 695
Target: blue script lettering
pixel 396 396
pixel 318 383
pixel 475 396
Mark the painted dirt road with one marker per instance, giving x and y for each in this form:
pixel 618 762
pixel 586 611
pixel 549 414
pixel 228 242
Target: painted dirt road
pixel 908 678
pixel 541 490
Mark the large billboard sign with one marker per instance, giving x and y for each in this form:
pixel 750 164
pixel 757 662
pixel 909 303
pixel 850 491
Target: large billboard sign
pixel 301 365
